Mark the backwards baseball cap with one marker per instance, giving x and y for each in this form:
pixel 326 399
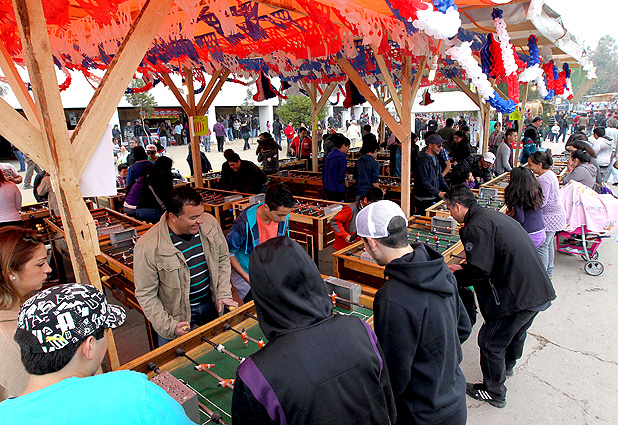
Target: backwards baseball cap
pixel 435 139
pixel 372 221
pixel 66 314
pixel 489 157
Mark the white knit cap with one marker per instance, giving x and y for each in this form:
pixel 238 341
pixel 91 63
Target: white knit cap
pixel 372 221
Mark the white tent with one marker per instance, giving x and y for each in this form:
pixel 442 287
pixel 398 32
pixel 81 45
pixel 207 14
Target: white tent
pixel 454 101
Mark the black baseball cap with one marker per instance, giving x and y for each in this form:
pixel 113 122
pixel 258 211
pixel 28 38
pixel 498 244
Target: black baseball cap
pixel 435 139
pixel 66 314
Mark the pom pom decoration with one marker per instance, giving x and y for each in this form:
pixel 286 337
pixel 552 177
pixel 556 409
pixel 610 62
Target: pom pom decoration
pixel 441 25
pixel 353 96
pixel 568 91
pixel 463 55
pixel 541 87
pixel 508 55
pixel 444 5
pixel 533 71
pixel 485 54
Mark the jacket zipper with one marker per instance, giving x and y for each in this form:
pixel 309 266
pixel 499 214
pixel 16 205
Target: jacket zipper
pixel 493 290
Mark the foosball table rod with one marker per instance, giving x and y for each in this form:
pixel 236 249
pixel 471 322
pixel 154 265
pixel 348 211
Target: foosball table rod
pixel 335 298
pixel 243 335
pixel 214 417
pixel 202 367
pixel 221 348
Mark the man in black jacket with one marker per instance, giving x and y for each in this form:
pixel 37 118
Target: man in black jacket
pixel 481 167
pixel 511 286
pixel 245 176
pixel 318 367
pixel 537 123
pixel 419 320
pixel 429 184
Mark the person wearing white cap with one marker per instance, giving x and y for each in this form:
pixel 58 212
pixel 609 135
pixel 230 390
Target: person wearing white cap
pixel 420 320
pixel 479 165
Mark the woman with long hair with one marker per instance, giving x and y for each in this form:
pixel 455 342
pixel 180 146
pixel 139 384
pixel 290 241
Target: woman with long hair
pixel 554 215
pixel 10 202
pixel 23 269
pixel 580 169
pixel 156 191
pixel 524 202
pixel 461 148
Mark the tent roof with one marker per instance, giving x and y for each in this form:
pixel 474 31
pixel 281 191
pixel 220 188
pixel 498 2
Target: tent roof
pixel 455 101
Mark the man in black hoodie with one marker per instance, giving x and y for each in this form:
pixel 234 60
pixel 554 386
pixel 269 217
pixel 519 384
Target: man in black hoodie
pixel 419 320
pixel 318 367
pixel 511 286
pixel 429 184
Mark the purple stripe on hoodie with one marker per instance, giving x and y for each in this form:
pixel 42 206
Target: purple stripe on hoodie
pixel 374 341
pixel 262 391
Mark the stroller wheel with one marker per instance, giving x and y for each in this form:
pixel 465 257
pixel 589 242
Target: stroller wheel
pixel 594 256
pixel 594 268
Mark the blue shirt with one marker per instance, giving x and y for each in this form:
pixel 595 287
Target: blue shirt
pixel 136 169
pixel 114 398
pixel 333 173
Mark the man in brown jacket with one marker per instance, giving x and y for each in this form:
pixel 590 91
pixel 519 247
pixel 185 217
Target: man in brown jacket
pixel 182 268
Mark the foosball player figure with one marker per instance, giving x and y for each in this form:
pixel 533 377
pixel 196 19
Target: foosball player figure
pixel 255 225
pixel 296 315
pixel 244 337
pixel 196 286
pixel 260 343
pixel 63 366
pixel 417 306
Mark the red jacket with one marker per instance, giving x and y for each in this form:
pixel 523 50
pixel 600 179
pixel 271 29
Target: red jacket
pixel 305 146
pixel 344 224
pixel 289 132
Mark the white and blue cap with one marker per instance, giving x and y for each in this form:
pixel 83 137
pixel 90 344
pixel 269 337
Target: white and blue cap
pixel 373 220
pixel 66 314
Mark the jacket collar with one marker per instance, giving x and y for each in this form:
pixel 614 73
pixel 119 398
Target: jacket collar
pixel 473 209
pixel 164 240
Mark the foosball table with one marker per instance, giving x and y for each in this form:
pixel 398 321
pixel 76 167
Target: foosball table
pixel 500 182
pixel 34 215
pixel 487 197
pixel 219 203
pixel 304 183
pixel 355 264
pixel 560 169
pixel 114 202
pixel 202 364
pixel 384 163
pixel 292 164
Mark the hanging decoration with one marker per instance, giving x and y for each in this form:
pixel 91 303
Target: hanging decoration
pixel 442 23
pixel 353 96
pixel 463 55
pixel 509 57
pixel 427 100
pixel 265 90
pixel 533 71
pixel 548 68
pixel 568 92
pixel 335 103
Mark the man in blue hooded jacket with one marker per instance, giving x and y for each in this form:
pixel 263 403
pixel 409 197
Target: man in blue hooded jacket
pixel 255 225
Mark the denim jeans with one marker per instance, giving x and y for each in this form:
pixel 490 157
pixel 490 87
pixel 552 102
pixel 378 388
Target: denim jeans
pixel 246 137
pixel 151 215
pixel 20 157
pixel 546 252
pixel 200 315
pixel 278 138
pixel 501 343
pixel 230 135
pixel 254 132
pixel 206 142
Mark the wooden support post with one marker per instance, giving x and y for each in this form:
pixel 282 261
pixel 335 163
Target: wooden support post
pixel 315 112
pixel 467 90
pixel 190 90
pixel 176 92
pixel 388 80
pixel 196 155
pixel 80 231
pixel 17 85
pixel 214 92
pixel 520 126
pixel 207 90
pixel 583 89
pixel 110 90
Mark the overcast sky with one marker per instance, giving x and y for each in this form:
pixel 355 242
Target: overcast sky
pixel 588 20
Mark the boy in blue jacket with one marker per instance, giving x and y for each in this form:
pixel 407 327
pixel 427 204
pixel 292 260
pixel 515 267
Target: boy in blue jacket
pixel 335 167
pixel 255 225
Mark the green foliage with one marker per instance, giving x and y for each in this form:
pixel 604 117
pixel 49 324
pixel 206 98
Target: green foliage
pixel 605 59
pixel 246 107
pixel 145 101
pixel 297 109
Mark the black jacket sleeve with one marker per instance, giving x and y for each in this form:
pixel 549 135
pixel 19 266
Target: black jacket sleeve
pixel 423 177
pixel 479 249
pixel 399 347
pixel 464 327
pixel 246 410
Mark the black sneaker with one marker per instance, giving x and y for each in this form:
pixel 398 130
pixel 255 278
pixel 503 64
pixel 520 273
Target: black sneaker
pixel 479 392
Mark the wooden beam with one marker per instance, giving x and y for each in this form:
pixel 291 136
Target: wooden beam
pixel 388 80
pixel 190 90
pixel 316 107
pixel 17 85
pixel 467 90
pixel 79 227
pixel 109 92
pixel 520 126
pixel 214 92
pixel 207 90
pixel 179 97
pixel 365 90
pixel 21 133
pixel 405 118
pixel 326 95
pixel 583 89
pixel 196 156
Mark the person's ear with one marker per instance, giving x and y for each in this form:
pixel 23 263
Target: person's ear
pixel 87 348
pixel 372 243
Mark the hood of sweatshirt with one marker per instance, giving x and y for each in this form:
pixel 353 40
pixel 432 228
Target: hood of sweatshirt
pixel 423 269
pixel 287 288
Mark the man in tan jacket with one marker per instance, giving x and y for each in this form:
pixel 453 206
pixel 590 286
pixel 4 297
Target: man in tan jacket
pixel 182 268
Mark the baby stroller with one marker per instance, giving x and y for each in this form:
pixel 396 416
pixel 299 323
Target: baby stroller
pixel 590 218
pixel 585 244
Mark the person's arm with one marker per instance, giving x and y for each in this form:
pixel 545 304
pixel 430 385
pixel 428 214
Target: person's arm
pixel 342 167
pixel 236 239
pixel 340 222
pixel 479 256
pixel 422 170
pixel 147 292
pixel 447 168
pixel 505 155
pixel 246 409
pixel 375 175
pixel 398 333
pixel 519 214
pixel 443 185
pixel 464 327
pixel 17 199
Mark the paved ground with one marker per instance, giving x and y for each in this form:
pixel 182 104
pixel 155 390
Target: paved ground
pixel 569 371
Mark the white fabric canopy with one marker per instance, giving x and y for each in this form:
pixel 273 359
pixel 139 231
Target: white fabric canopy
pixel 454 101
